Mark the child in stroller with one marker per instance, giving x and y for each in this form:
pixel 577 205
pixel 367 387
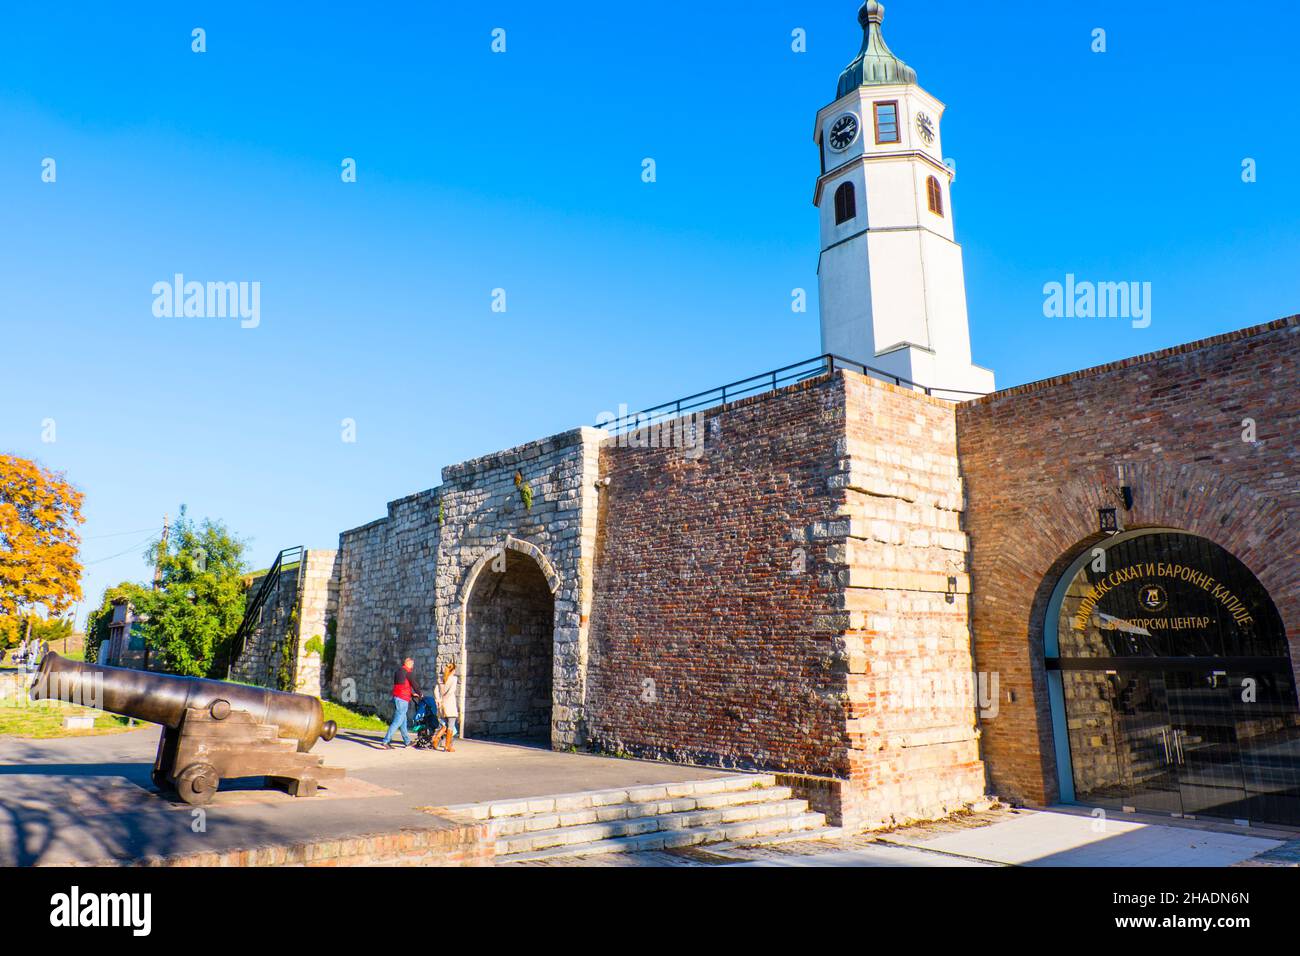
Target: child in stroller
pixel 424 721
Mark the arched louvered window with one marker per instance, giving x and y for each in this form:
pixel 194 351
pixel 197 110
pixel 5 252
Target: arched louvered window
pixel 935 192
pixel 846 203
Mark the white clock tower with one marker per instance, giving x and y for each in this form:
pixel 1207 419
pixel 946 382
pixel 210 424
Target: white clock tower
pixel 892 290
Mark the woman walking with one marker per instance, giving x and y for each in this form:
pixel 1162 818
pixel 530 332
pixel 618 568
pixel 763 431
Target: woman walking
pixel 447 697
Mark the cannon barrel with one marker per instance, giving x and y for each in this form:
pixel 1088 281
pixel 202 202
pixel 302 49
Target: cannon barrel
pixel 164 698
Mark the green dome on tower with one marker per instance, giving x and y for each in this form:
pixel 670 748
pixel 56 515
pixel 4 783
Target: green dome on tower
pixel 875 64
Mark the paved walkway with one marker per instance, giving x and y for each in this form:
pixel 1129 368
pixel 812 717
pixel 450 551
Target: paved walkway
pixel 89 798
pixel 994 838
pixel 1048 838
pixel 1029 838
pixel 871 857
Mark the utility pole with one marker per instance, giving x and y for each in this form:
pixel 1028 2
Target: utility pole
pixel 157 584
pixel 162 549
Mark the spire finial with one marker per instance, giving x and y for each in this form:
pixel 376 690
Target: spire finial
pixel 874 65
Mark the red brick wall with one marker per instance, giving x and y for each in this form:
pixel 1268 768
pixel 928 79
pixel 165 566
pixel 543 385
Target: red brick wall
pixel 701 588
pixel 1039 460
pixel 784 599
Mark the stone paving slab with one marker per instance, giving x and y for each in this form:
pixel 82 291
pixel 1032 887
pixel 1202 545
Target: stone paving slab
pixel 880 855
pixel 997 837
pixel 1288 854
pixel 1046 838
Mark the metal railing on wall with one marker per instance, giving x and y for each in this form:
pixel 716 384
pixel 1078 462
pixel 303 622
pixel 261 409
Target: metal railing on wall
pixel 290 559
pixel 764 382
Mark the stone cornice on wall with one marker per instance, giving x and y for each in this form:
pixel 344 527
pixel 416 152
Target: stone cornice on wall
pixel 1291 321
pixel 521 453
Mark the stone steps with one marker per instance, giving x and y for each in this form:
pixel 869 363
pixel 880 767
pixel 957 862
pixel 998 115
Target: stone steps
pixel 737 808
pixel 586 799
pixel 744 813
pixel 806 826
pixel 523 823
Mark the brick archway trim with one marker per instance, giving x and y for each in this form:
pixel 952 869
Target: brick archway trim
pixel 1018 557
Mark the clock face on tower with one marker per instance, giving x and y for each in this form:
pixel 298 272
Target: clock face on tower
pixel 925 126
pixel 843 132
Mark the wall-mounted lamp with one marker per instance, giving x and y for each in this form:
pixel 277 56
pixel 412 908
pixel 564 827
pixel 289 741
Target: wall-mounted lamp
pixel 951 594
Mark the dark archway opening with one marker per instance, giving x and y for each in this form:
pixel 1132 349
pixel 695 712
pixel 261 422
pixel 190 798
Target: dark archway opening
pixel 1171 683
pixel 509 651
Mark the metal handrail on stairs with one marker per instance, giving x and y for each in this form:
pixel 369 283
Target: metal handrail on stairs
pixel 289 557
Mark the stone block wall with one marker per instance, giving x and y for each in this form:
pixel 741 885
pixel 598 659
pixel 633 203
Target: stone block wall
pixel 1040 459
pixel 305 596
pixel 386 575
pixel 405 580
pixel 900 550
pixel 317 605
pixel 259 661
pixel 485 514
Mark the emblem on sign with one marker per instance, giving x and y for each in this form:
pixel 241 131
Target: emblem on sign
pixel 1152 597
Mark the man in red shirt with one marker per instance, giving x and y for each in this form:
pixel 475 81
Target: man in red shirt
pixel 404 687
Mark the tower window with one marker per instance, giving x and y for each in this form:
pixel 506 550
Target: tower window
pixel 887 122
pixel 935 194
pixel 846 203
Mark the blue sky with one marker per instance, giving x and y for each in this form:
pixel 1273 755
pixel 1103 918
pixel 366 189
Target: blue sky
pixel 522 171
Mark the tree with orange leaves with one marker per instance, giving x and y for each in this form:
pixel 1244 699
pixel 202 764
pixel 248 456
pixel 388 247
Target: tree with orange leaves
pixel 39 514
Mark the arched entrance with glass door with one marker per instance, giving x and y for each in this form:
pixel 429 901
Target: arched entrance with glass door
pixel 1170 683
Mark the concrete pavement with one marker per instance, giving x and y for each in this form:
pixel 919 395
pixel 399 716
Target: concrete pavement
pixel 1065 837
pixel 83 799
pixel 87 799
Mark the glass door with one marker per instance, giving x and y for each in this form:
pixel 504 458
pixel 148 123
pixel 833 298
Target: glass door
pixel 1268 740
pixel 1205 743
pixel 1122 746
pixel 1146 742
pixel 1170 695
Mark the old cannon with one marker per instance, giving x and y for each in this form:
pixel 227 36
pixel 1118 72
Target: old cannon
pixel 212 730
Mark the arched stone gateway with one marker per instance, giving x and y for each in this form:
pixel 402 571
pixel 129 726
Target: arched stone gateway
pixel 507 650
pixel 507 661
pixel 1170 682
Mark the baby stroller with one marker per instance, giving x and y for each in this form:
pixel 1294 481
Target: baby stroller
pixel 424 721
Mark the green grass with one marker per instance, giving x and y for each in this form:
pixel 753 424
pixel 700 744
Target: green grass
pixel 284 569
pixel 45 719
pixel 344 718
pixel 350 719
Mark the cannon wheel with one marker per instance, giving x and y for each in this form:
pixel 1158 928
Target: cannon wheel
pixel 197 784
